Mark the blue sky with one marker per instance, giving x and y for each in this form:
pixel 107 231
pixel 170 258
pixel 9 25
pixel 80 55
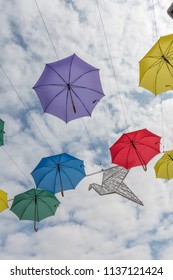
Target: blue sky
pixel 86 226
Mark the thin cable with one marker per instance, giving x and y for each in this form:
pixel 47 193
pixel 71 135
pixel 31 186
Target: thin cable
pixel 94 173
pixel 163 137
pixel 161 103
pixel 111 60
pixel 26 109
pixel 17 166
pixel 46 29
pixel 92 144
pixel 155 23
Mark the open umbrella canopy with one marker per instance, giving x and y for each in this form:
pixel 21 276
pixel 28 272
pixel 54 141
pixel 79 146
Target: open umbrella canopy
pixel 69 88
pixel 164 166
pixel 3 201
pixel 58 173
pixel 1 132
pixel 135 148
pixel 34 205
pixel 156 67
pixel 112 182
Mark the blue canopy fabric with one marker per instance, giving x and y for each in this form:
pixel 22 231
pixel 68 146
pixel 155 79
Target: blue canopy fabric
pixel 58 173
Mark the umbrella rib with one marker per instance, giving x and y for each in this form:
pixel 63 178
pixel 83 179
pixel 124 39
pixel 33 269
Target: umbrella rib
pixel 101 93
pixel 169 69
pixel 72 167
pixel 2 201
pixel 135 149
pixel 71 83
pixel 16 203
pixel 81 102
pixel 53 85
pixel 56 73
pixel 151 66
pixel 128 155
pixel 42 200
pixel 55 97
pixel 25 208
pixel 143 144
pixel 45 174
pixel 62 162
pixel 68 178
pixel 167 170
pixel 55 182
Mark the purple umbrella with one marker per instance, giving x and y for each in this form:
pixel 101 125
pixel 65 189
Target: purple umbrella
pixel 69 88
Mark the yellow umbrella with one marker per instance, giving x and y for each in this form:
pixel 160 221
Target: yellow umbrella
pixel 156 67
pixel 3 201
pixel 164 166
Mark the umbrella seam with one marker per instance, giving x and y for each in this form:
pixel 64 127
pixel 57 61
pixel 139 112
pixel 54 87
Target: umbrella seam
pixel 45 174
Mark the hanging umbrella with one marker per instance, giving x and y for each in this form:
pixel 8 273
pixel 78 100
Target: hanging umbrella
pixel 112 182
pixel 135 148
pixel 3 201
pixel 1 132
pixel 58 173
pixel 156 67
pixel 69 88
pixel 35 205
pixel 164 166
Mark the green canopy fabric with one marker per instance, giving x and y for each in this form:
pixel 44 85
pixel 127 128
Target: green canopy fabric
pixel 1 132
pixel 35 205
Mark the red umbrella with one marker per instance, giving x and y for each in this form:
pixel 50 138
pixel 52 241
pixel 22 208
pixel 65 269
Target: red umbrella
pixel 135 148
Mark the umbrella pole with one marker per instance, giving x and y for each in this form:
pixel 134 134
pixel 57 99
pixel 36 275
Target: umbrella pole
pixel 74 108
pixel 35 223
pixel 139 156
pixel 62 192
pixel 167 61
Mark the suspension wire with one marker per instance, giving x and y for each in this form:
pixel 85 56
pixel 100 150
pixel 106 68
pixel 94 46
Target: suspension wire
pixel 94 173
pixel 47 31
pixel 155 23
pixel 163 137
pixel 111 60
pixel 26 109
pixel 92 144
pixel 17 166
pixel 161 99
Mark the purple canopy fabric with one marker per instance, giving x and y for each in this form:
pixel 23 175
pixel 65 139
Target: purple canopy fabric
pixel 69 88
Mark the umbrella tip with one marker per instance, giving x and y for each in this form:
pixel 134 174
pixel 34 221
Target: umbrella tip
pixel 35 228
pixel 144 167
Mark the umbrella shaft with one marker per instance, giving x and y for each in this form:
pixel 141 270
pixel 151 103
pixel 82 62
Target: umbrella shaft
pixel 167 60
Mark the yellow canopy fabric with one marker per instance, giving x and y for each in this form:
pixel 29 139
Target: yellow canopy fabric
pixel 164 166
pixel 3 201
pixel 156 67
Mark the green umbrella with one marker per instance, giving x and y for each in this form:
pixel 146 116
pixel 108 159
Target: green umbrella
pixel 1 132
pixel 35 205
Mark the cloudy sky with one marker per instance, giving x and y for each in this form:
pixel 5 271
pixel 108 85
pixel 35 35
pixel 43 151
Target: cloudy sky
pixel 113 36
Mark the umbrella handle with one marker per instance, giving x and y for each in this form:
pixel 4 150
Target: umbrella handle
pixel 35 226
pixel 144 167
pixel 74 108
pixel 62 193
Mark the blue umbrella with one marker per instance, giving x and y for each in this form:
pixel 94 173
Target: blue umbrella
pixel 58 173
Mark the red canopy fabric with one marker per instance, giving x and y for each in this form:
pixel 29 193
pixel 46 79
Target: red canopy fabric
pixel 135 148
